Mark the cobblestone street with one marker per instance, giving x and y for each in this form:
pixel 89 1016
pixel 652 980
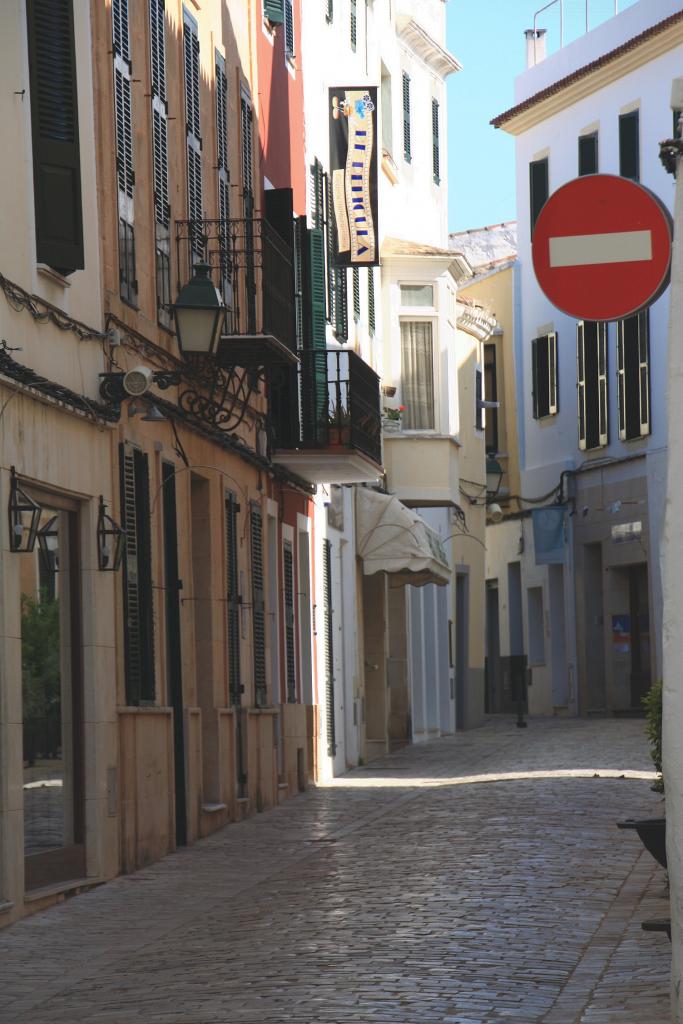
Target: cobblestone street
pixel 473 879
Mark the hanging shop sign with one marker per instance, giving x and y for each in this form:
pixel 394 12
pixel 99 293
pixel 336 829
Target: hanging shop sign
pixel 353 175
pixel 601 247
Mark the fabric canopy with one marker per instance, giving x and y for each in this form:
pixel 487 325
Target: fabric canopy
pixel 393 539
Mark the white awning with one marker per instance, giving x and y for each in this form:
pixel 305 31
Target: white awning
pixel 394 539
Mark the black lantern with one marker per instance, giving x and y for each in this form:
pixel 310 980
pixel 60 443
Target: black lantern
pixel 48 542
pixel 110 541
pixel 494 476
pixel 24 517
pixel 199 313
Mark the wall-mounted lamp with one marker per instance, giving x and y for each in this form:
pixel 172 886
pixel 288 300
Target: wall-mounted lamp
pixel 48 542
pixel 111 541
pixel 24 517
pixel 494 476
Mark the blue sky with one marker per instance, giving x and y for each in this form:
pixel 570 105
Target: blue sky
pixel 487 37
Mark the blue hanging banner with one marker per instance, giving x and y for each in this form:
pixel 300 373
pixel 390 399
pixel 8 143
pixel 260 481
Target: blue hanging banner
pixel 549 534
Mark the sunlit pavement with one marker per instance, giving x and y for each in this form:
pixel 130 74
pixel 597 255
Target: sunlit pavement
pixel 474 879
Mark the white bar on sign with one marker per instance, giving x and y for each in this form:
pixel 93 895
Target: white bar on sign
pixel 611 247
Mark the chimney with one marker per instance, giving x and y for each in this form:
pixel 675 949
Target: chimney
pixel 535 46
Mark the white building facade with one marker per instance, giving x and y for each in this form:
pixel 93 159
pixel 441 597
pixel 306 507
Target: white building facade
pixel 592 419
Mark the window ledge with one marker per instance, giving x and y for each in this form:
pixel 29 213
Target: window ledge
pixel 53 275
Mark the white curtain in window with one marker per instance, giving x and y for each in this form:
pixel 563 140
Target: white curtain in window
pixel 417 375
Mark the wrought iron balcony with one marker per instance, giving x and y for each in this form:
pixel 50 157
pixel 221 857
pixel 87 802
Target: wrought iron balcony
pixel 326 418
pixel 253 269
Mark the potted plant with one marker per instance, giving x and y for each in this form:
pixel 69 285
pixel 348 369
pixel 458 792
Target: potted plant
pixel 339 427
pixel 391 417
pixel 652 831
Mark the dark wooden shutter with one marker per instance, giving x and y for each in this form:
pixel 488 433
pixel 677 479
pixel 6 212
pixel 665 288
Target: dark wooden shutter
pixel 162 210
pixel 120 32
pixel 54 122
pixel 603 410
pixel 629 145
pixel 258 610
pixel 137 576
pixel 290 654
pixel 195 195
pixel 158 47
pixel 223 172
pixel 354 25
pixel 341 305
pixel 436 148
pixel 581 381
pixel 356 294
pixel 289 28
pixel 273 10
pixel 538 189
pixel 221 113
pixel 621 380
pixel 329 649
pixel 479 411
pixel 233 600
pixel 552 374
pixel 544 375
pixel 406 117
pixel 644 371
pixel 534 378
pixel 588 154
pixel 371 300
pixel 247 155
pixel 124 134
pixel 633 371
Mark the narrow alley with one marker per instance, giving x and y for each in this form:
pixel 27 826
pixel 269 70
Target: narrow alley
pixel 473 879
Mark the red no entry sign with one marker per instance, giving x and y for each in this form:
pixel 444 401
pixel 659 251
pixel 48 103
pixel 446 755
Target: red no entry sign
pixel 602 247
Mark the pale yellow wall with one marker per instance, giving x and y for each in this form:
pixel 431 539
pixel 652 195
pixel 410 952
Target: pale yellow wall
pixel 495 294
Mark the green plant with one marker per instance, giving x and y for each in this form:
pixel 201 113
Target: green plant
pixel 652 702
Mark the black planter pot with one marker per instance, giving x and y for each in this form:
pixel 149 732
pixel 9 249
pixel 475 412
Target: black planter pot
pixel 652 833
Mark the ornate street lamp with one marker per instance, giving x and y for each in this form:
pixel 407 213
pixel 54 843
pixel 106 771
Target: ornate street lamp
pixel 110 541
pixel 199 313
pixel 494 476
pixel 24 517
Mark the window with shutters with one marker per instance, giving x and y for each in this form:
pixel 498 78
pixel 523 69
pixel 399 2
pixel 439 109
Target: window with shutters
pixel 341 306
pixel 436 150
pixel 289 29
pixel 588 154
pixel 290 651
pixel 356 294
pixel 258 608
pixel 273 11
pixel 406 117
pixel 223 174
pixel 591 380
pixel 633 372
pixel 479 411
pixel 138 614
pixel 329 649
pixel 538 189
pixel 371 301
pixel 544 376
pixel 125 173
pixel 629 145
pixel 354 25
pixel 54 128
pixel 195 202
pixel 162 209
pixel 491 392
pixel 246 124
pixel 233 599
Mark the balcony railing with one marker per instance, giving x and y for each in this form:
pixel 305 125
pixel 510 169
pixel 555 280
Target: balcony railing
pixel 253 269
pixel 339 405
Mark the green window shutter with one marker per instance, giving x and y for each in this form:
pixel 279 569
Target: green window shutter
pixel 603 416
pixel 341 306
pixel 329 9
pixel 406 117
pixel 354 25
pixel 289 29
pixel 137 576
pixel 273 10
pixel 371 300
pixel 436 151
pixel 538 189
pixel 356 294
pixel 629 145
pixel 314 289
pixel 54 122
pixel 258 608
